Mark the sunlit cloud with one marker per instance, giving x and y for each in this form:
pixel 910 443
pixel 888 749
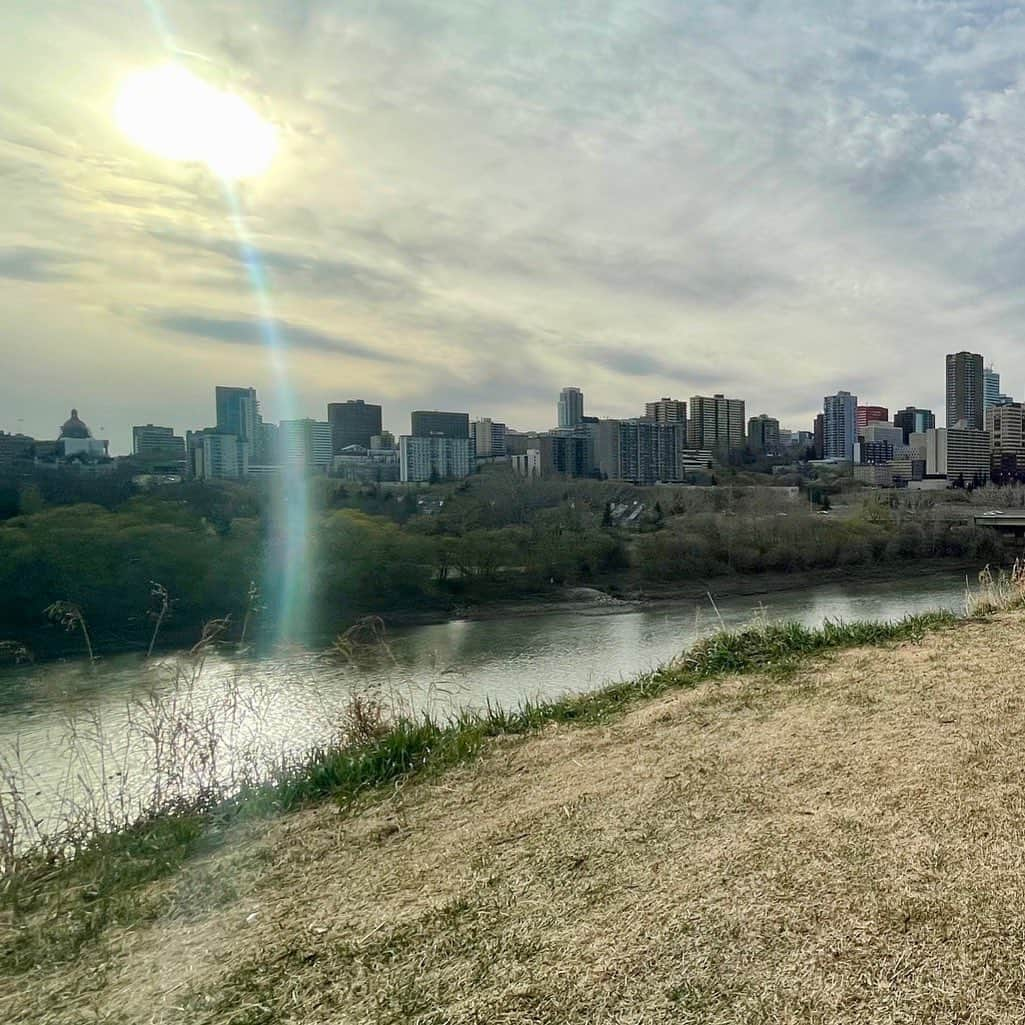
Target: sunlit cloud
pixel 171 113
pixel 638 199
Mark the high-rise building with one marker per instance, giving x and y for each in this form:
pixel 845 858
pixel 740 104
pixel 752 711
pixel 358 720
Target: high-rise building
pixel 644 451
pixel 216 455
pixel 305 443
pixel 238 412
pixel 865 415
pixel 957 453
pixel 763 435
pixel 434 457
pixel 429 423
pixel 819 436
pixel 1006 428
pixel 839 426
pixel 151 442
pixel 605 435
pixel 913 420
pixel 965 391
pixel 715 424
pixel 667 411
pixel 488 437
pixel 569 453
pixel 990 387
pixel 649 452
pixel 353 422
pixel 267 451
pixel 571 408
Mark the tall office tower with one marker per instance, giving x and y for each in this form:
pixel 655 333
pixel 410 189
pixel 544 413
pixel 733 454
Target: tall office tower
pixel 571 408
pixel 353 423
pixel 839 425
pixel 865 415
pixel 912 420
pixel 990 387
pixel 715 423
pixel 488 437
pixel 965 391
pixel 150 442
pixel 667 411
pixel 305 443
pixel 238 412
pixel 818 435
pixel 429 423
pixel 763 435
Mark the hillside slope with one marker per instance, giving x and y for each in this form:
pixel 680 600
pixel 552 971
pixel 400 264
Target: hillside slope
pixel 843 845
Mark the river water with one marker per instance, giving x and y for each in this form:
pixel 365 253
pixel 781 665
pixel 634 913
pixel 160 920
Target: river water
pixel 93 745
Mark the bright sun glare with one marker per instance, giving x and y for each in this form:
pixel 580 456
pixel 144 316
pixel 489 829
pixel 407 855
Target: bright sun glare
pixel 173 114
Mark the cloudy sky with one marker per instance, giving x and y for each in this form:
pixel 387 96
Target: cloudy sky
pixel 475 203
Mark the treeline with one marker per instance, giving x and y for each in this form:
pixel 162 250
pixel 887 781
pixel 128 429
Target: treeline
pixel 377 550
pixel 710 546
pixel 106 562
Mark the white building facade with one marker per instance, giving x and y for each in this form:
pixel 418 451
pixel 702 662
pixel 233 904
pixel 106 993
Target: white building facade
pixel 306 442
pixel 434 458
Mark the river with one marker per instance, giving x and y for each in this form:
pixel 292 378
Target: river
pixel 92 744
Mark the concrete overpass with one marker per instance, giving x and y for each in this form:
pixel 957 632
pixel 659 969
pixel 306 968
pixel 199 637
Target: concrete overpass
pixel 1006 522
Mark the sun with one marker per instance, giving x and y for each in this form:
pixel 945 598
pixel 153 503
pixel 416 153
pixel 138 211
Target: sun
pixel 173 114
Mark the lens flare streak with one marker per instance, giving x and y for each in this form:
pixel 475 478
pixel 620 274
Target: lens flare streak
pixel 255 145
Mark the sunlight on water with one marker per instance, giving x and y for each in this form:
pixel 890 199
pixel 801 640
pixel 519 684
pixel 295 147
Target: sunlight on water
pixel 69 721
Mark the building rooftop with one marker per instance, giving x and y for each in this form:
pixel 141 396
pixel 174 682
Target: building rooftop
pixel 74 428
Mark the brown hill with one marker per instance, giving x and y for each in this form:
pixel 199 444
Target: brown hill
pixel 846 844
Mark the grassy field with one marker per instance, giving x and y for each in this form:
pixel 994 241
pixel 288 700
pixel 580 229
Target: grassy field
pixel 837 838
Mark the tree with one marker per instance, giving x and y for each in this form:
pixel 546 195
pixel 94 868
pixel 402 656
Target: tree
pixel 30 500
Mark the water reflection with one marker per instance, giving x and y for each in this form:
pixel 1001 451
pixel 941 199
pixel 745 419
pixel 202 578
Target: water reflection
pixel 293 701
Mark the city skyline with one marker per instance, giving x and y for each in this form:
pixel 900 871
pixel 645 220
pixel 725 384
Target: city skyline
pixel 557 404
pixel 466 204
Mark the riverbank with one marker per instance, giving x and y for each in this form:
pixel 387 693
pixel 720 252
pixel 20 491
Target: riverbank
pixel 765 844
pixel 608 597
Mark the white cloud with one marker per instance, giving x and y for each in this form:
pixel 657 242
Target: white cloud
pixel 787 200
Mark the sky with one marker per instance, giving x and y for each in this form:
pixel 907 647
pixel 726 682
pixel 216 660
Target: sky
pixel 475 203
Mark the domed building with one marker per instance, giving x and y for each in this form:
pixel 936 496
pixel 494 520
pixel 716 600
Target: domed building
pixel 76 441
pixel 74 428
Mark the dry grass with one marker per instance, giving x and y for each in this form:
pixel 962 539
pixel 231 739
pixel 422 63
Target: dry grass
pixel 843 844
pixel 1001 591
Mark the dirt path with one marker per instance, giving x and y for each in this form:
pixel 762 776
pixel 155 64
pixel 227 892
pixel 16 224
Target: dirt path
pixel 847 845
